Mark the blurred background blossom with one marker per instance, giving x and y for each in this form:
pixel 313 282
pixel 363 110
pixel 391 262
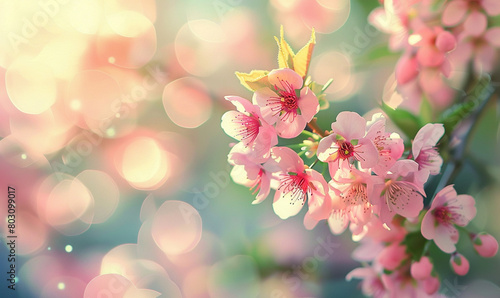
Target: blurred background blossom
pixel 110 125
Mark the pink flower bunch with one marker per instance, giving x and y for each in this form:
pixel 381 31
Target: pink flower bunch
pixel 436 40
pixel 367 180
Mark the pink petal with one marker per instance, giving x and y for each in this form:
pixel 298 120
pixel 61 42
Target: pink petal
pixel 367 153
pixel 409 202
pixel 403 167
pixel 333 167
pixel 285 205
pixel 291 127
pixel 326 147
pixel 406 69
pixel 265 188
pixel 308 104
pixel 428 227
pixel 391 256
pixel 260 97
pixel 430 80
pixel 230 127
pixel 242 105
pixel 444 196
pixel 475 24
pixel 360 273
pixel 465 209
pixel 430 56
pixel 454 12
pixel 431 285
pixel 492 36
pixel 286 160
pixel 338 221
pixel 492 7
pixel 421 269
pixel 350 125
pixel 427 137
pixel 445 41
pixel 279 77
pixel 444 238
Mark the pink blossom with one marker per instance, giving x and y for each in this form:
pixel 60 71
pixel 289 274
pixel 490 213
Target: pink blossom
pixel 424 148
pixel 392 256
pixel 284 105
pixel 468 12
pixel 402 192
pixel 249 173
pixel 347 143
pixel 432 43
pixel 390 147
pixel 447 210
pixel 353 203
pixel 372 284
pixel 459 264
pixel 297 184
pixel 485 245
pixel 421 269
pixel 246 125
pixel 431 285
pixel 481 48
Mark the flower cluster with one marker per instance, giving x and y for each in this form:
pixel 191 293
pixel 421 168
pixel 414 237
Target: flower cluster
pixel 368 180
pixel 437 37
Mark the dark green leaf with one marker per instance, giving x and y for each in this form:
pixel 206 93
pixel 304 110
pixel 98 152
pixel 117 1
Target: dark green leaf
pixel 415 244
pixel 405 120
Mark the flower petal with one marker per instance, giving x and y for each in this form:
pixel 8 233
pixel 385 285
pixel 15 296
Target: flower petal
pixel 291 127
pixel 350 125
pixel 242 104
pixel 429 224
pixel 265 188
pixel 492 7
pixel 475 24
pixel 326 147
pixel 261 97
pixel 406 69
pixel 338 221
pixel 430 56
pixel 493 36
pixel 466 211
pixel 444 238
pixel 308 104
pixel 285 76
pixel 285 205
pixel 367 154
pixel 454 12
pixel 445 41
pixel 427 137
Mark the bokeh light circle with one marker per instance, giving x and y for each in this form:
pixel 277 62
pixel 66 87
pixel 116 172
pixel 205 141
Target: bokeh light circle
pixel 176 228
pixel 187 103
pixel 31 86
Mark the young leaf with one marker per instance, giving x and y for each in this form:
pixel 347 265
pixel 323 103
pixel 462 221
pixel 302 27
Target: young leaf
pixel 415 244
pixel 285 52
pixel 303 58
pixel 254 80
pixel 405 120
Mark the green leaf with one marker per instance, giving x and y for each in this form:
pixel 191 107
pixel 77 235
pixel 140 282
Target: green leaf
pixel 405 120
pixel 415 244
pixel 303 58
pixel 254 80
pixel 426 111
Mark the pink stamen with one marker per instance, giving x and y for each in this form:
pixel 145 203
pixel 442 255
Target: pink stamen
pixel 286 104
pixel 248 128
pixel 297 185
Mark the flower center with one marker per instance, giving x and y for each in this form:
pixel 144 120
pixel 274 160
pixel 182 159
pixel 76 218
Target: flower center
pixel 247 128
pixel 443 215
pixel 346 150
pixel 297 185
pixel 287 103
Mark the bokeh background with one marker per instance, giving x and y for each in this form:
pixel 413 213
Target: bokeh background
pixel 110 124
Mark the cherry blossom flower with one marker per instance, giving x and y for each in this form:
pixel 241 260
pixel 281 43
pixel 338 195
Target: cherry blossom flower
pixel 482 49
pixel 390 146
pixel 372 284
pixel 246 125
pixel 485 245
pixel 249 173
pixel 447 210
pixel 298 184
pixel 347 143
pixel 402 192
pixel 352 202
pixel 290 105
pixel 468 12
pixel 459 264
pixel 424 148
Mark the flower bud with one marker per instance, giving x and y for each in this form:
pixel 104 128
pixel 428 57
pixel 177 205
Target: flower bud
pixel 459 264
pixel 485 245
pixel 431 285
pixel 421 269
